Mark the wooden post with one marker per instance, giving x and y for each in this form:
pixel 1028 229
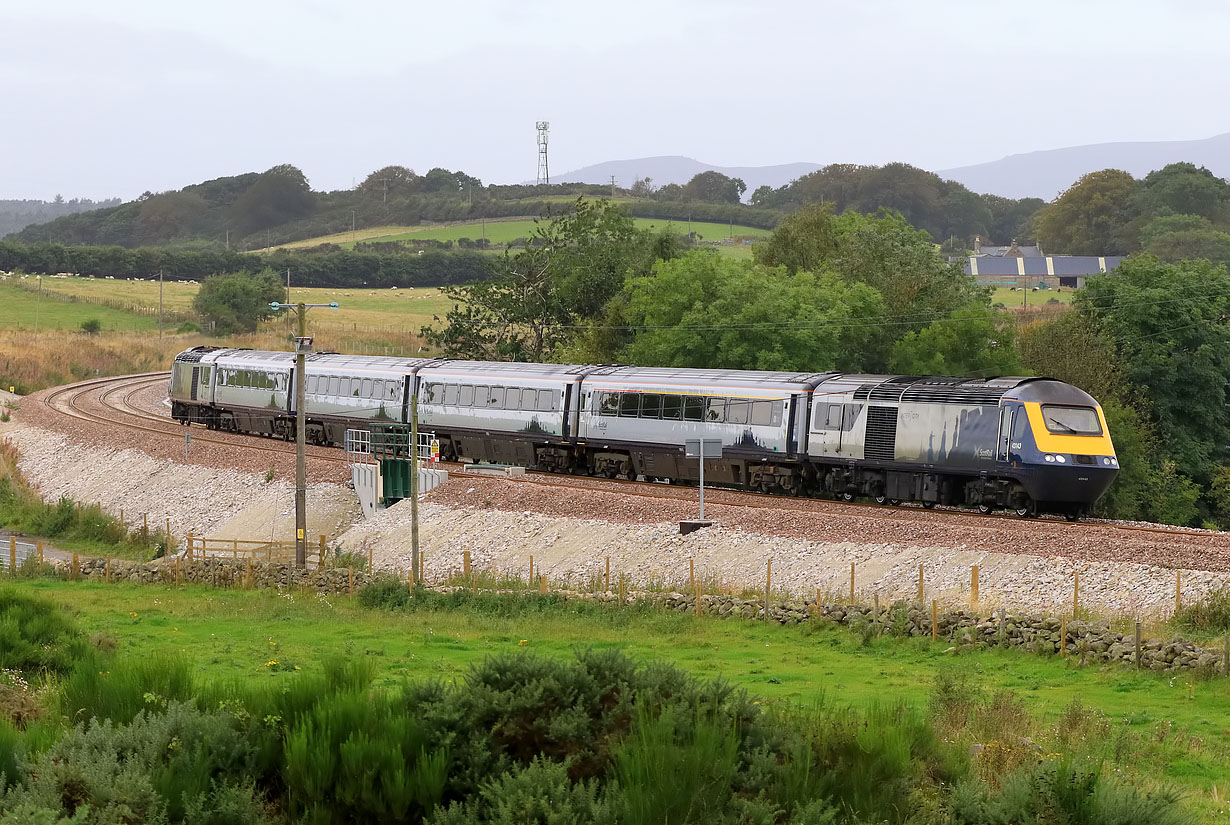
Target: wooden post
pixel 768 587
pixel 608 574
pixel 692 573
pixel 973 586
pixel 1178 591
pixel 12 555
pixel 1063 637
pixel 935 623
pixel 188 549
pixel 235 549
pixel 623 599
pixel 465 564
pixel 531 569
pixel 851 584
pixel 411 576
pixel 920 585
pixel 350 570
pixel 542 584
pixel 39 545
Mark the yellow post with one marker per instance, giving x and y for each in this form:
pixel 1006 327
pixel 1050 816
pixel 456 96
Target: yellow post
pixel 39 544
pixel 973 586
pixel 411 578
pixel 608 574
pixel 350 570
pixel 1076 591
pixel 1063 636
pixel 692 573
pixel 935 621
pixel 920 585
pixel 1178 590
pixel 542 584
pixel 465 564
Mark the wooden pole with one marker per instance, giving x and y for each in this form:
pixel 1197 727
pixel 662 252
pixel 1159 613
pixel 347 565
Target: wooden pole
pixel 973 586
pixel 39 545
pixel 1076 592
pixel 692 573
pixel 608 574
pixel 235 549
pixel 76 571
pixel 189 548
pixel 1178 590
pixel 465 564
pixel 768 586
pixel 542 584
pixel 920 585
pixel 1063 637
pixel 935 622
pixel 851 583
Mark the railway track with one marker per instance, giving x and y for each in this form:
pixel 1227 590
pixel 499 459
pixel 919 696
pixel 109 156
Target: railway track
pixel 126 413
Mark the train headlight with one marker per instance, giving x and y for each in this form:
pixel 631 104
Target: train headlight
pixel 1114 462
pixel 1051 459
pixel 1061 459
pixel 1106 461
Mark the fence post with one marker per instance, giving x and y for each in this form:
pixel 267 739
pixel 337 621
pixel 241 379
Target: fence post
pixel 1139 659
pixel 935 623
pixel 920 585
pixel 235 549
pixel 851 584
pixel 39 545
pixel 1178 591
pixel 768 586
pixel 465 564
pixel 410 579
pixel 1063 637
pixel 188 549
pixel 12 555
pixel 973 587
pixel 608 574
pixel 542 584
pixel 692 573
pixel 1076 591
pixel 76 571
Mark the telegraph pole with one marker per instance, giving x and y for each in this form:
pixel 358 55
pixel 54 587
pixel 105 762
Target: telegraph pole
pixel 303 346
pixel 414 484
pixel 37 302
pixel 160 305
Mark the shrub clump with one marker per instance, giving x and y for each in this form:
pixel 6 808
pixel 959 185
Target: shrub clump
pixel 1210 614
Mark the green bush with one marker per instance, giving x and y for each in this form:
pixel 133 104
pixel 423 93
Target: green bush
pixel 91 326
pixel 385 591
pixel 1210 614
pixel 539 794
pixel 125 688
pixel 10 750
pixel 37 636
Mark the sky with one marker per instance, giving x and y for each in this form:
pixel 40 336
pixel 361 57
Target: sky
pixel 114 99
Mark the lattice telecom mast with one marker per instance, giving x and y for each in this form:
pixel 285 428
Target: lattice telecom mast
pixel 543 175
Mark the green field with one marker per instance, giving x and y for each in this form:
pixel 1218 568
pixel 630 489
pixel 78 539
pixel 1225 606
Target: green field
pixel 502 231
pixel 24 309
pixel 1009 298
pixel 235 634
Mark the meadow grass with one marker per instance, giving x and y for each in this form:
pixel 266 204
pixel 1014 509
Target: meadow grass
pixel 234 634
pixel 1009 298
pixel 504 230
pixel 22 305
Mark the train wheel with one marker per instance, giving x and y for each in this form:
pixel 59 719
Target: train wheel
pixel 928 505
pixel 1074 513
pixel 985 509
pixel 881 500
pixel 847 496
pixel 894 502
pixel 1028 511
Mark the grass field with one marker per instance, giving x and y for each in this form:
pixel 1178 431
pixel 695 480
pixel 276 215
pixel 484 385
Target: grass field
pixel 25 309
pixel 1009 298
pixel 359 309
pixel 501 231
pixel 234 634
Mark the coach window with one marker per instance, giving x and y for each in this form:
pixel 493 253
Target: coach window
pixel 529 399
pixel 762 413
pixel 737 410
pixel 851 415
pixel 548 401
pixel 716 411
pixel 367 388
pixel 651 405
pixel 467 395
pixel 834 417
pixel 608 403
pixel 778 408
pixel 629 405
pixel 395 389
pixel 451 393
pixel 497 398
pixel 431 394
pixel 672 407
pixel 693 408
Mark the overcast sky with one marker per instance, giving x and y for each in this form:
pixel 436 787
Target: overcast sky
pixel 119 97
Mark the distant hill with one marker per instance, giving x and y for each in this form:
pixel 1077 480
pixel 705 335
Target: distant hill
pixel 1047 173
pixel 16 215
pixel 678 169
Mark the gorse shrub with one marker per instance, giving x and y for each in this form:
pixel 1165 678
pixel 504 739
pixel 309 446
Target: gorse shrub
pixel 35 635
pixel 539 794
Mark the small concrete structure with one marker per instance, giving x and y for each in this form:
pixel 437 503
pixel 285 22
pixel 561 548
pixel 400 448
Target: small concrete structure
pixel 692 525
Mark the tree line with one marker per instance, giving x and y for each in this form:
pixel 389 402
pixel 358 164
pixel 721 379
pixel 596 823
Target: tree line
pixel 871 293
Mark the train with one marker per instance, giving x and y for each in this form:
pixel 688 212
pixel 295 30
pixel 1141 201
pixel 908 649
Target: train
pixel 1022 444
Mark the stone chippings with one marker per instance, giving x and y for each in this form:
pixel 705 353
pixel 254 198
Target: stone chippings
pixel 966 629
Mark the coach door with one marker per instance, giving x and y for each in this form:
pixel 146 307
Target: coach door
pixel 1004 441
